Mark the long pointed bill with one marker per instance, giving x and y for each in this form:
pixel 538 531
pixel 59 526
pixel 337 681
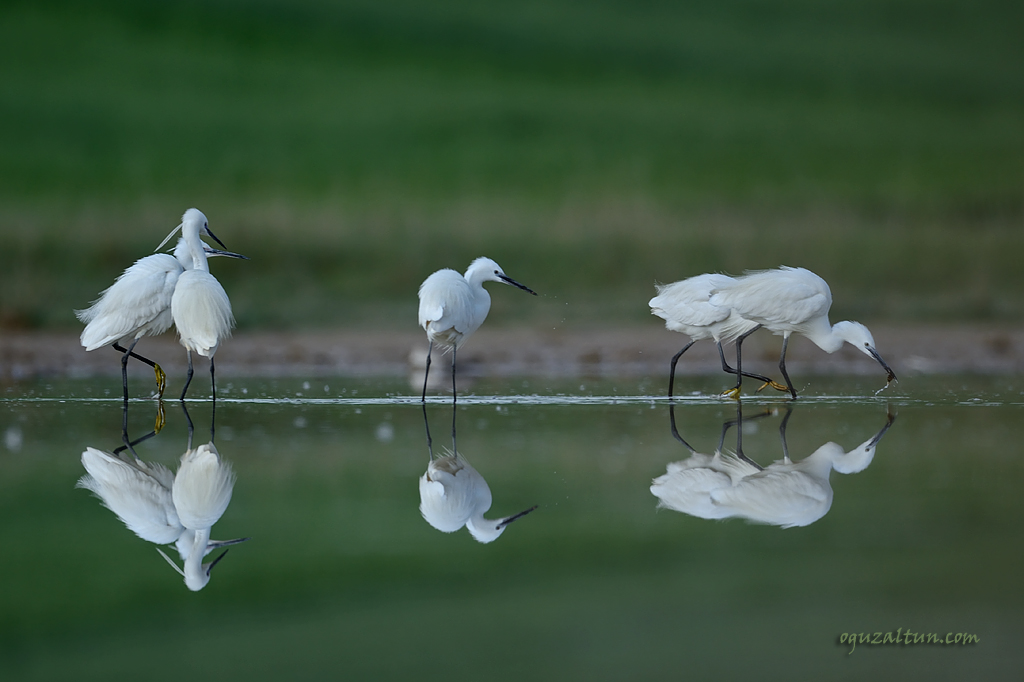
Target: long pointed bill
pixel 218 252
pixel 214 237
pixel 217 544
pixel 509 280
pixel 209 566
pixel 510 519
pixel 878 436
pixel 891 375
pixel 168 237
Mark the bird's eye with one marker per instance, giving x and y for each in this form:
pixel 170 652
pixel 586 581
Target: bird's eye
pixel 496 272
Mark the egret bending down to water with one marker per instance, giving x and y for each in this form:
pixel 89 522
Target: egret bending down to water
pixel 686 308
pixel 201 493
pixel 453 494
pixel 453 306
pixel 794 300
pixel 138 304
pixel 199 306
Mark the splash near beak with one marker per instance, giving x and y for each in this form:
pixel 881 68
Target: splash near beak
pixel 891 376
pixel 509 280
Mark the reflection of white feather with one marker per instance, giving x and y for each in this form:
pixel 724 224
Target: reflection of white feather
pixel 202 487
pixel 686 485
pixel 453 494
pixel 139 493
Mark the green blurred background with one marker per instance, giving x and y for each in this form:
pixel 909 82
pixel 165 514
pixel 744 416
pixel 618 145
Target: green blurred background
pixel 591 148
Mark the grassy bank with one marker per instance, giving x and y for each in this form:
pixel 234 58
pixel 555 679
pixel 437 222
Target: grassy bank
pixel 352 148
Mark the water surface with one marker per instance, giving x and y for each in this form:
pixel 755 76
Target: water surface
pixel 343 576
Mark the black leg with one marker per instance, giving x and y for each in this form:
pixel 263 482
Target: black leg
pixel 672 367
pixel 782 367
pixel 188 378
pixel 191 427
pixel 454 392
pixel 730 370
pixel 161 377
pixel 675 431
pixel 454 412
pixel 739 361
pixel 426 374
pixel 124 367
pixel 213 419
pixel 213 381
pixel 430 441
pixel 782 434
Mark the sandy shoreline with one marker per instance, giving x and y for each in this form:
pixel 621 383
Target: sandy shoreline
pixel 515 352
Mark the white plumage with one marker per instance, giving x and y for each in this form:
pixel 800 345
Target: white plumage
pixel 794 300
pixel 686 308
pixel 199 306
pixel 453 494
pixel 453 306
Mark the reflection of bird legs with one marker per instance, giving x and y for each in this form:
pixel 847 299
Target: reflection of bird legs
pixel 161 377
pixel 426 425
pixel 738 423
pixel 191 428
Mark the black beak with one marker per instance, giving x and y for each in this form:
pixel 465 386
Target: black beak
pixel 891 375
pixel 521 514
pixel 214 238
pixel 215 562
pixel 509 280
pixel 229 254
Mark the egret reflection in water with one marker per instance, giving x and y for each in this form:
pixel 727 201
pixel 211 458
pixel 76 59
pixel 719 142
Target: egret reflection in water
pixel 164 507
pixel 785 493
pixel 453 494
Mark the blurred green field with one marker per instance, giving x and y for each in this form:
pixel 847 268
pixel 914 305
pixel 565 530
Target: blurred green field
pixel 593 148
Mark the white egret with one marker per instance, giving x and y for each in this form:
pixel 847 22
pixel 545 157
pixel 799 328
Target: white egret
pixel 138 304
pixel 453 494
pixel 200 307
pixel 201 493
pixel 790 494
pixel 453 306
pixel 794 300
pixel 686 308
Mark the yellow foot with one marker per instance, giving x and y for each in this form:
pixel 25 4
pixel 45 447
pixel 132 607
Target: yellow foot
pixel 161 381
pixel 733 393
pixel 161 418
pixel 774 384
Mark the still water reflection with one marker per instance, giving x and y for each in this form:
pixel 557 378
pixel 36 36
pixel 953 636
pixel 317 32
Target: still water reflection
pixel 344 576
pixel 453 494
pixel 163 507
pixel 732 485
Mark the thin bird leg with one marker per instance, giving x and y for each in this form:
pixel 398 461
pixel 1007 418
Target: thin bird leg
pixel 675 432
pixel 161 376
pixel 426 374
pixel 188 378
pixel 734 392
pixel 124 367
pixel 782 434
pixel 730 370
pixel 191 428
pixel 739 436
pixel 213 417
pixel 454 412
pixel 672 368
pixel 213 381
pixel 782 366
pixel 455 394
pixel 430 441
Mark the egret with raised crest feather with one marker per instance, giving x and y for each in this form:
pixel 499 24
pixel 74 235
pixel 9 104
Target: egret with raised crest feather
pixel 138 304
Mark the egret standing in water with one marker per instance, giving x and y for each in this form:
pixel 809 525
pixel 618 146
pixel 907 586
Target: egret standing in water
pixel 138 304
pixel 453 306
pixel 686 308
pixel 794 300
pixel 200 307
